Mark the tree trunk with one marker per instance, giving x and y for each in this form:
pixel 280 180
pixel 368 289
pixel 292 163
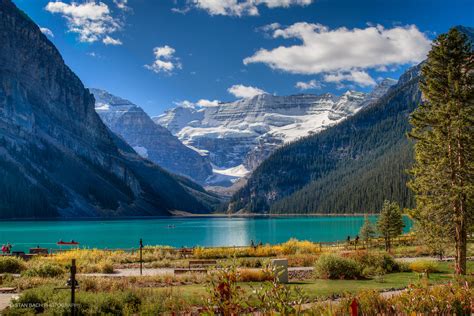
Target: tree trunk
pixel 461 248
pixel 461 229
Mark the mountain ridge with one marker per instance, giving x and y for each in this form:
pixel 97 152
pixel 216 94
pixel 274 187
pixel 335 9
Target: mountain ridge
pixel 57 158
pixel 241 134
pixel 148 139
pixel 299 175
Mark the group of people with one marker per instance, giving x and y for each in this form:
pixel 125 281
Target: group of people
pixel 356 239
pixel 254 245
pixel 6 249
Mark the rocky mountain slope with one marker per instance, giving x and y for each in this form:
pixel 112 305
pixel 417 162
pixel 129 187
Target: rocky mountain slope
pixel 238 136
pixel 57 158
pixel 148 139
pixel 348 168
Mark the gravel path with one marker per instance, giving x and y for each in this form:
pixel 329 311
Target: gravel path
pixel 159 271
pixel 132 272
pixel 5 300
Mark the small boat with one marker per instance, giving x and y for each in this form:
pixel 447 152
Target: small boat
pixel 67 243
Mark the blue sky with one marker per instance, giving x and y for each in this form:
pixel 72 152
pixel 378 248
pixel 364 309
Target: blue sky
pixel 160 52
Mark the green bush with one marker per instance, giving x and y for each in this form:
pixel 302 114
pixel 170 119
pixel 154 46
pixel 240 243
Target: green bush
pixel 11 265
pixel 30 301
pixel 249 262
pixel 45 270
pixel 330 266
pixel 376 264
pixel 33 301
pixel 424 266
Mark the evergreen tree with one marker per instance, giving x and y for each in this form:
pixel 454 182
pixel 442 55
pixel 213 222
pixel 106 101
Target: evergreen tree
pixel 443 174
pixel 390 223
pixel 367 231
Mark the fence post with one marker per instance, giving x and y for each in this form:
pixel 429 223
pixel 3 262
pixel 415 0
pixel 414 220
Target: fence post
pixel 141 261
pixel 73 287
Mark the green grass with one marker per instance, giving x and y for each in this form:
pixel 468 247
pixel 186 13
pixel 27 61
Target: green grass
pixel 320 289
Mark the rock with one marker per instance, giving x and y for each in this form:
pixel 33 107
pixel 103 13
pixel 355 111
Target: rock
pixel 148 139
pixel 57 158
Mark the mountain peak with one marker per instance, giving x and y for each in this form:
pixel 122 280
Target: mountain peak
pixel 56 148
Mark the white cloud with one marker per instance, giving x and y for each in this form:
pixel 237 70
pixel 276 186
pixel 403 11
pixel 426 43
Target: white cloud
pixel 269 27
pixel 185 104
pixel 46 31
pixel 111 41
pixel 207 103
pixel 91 20
pixel 241 91
pixel 361 78
pixel 122 4
pixel 243 7
pixel 323 50
pixel 201 103
pixel 312 84
pixel 165 61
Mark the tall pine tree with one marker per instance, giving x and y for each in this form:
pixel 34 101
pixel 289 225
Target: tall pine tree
pixel 443 173
pixel 390 222
pixel 367 231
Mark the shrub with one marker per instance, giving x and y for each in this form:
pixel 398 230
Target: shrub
pixel 29 300
pixel 226 297
pixel 254 275
pixel 302 260
pixel 250 262
pixel 280 298
pixel 330 266
pixel 44 270
pixel 448 299
pixel 375 264
pixel 424 266
pixel 11 265
pixel 294 246
pixel 106 267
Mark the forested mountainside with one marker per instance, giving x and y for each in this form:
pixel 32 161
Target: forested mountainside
pixel 348 168
pixel 148 139
pixel 57 158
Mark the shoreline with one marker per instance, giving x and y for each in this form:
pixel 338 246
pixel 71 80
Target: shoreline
pixel 180 214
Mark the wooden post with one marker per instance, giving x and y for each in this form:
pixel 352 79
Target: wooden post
pixel 73 287
pixel 141 258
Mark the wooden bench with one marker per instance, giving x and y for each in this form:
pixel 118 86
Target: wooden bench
pixel 198 266
pixel 186 270
pixel 5 290
pixel 39 251
pixel 185 252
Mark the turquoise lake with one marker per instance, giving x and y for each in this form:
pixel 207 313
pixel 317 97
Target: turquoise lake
pixel 178 232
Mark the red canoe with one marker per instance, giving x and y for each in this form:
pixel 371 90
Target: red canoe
pixel 67 243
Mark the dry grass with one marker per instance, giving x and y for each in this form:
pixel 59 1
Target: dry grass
pixel 291 247
pixel 104 284
pixel 254 275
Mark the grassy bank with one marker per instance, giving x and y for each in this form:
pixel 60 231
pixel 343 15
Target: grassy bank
pixel 339 271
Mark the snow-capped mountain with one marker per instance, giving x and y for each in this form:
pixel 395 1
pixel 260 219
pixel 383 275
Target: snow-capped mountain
pixel 238 136
pixel 148 139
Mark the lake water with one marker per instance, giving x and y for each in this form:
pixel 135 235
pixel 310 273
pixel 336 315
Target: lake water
pixel 178 232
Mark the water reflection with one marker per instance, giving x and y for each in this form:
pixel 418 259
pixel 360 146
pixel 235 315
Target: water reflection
pixel 178 232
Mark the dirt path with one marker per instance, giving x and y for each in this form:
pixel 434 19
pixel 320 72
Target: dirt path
pixel 5 300
pixel 157 271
